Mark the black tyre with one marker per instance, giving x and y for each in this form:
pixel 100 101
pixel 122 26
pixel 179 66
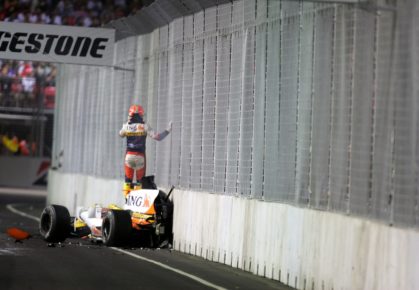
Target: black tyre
pixel 116 228
pixel 55 224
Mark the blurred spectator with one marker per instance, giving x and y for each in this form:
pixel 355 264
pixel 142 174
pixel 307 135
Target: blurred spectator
pixel 49 94
pixel 28 84
pixel 24 148
pixel 25 69
pixel 56 18
pixel 51 74
pixel 11 144
pixel 34 147
pixel 5 85
pixel 16 91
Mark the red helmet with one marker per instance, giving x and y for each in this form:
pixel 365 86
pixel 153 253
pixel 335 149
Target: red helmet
pixel 136 109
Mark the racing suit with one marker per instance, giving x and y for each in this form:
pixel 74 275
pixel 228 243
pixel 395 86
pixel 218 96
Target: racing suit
pixel 135 159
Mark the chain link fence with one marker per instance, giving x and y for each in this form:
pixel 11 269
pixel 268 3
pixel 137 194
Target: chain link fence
pixel 312 104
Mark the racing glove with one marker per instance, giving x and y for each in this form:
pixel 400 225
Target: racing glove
pixel 123 130
pixel 169 127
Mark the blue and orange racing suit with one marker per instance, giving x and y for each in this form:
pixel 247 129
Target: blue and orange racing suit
pixel 135 159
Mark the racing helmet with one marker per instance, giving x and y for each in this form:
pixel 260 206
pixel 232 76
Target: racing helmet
pixel 135 109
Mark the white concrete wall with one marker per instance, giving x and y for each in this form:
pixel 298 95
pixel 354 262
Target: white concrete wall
pixel 306 249
pixel 72 190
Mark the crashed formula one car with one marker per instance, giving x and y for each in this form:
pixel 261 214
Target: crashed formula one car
pixel 147 215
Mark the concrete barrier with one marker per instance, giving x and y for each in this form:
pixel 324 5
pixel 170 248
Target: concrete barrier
pixel 72 190
pixel 23 171
pixel 304 248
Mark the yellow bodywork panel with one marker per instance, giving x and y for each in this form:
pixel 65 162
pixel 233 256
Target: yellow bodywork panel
pixel 78 223
pixel 114 206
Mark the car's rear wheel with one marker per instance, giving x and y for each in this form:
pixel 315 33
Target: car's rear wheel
pixel 116 228
pixel 55 224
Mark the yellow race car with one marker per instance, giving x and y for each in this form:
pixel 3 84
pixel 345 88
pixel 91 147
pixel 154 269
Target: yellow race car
pixel 146 216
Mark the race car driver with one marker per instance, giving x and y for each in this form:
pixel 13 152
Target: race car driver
pixel 136 132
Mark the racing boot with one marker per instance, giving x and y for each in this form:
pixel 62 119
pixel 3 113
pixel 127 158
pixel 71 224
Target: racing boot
pixel 138 186
pixel 126 189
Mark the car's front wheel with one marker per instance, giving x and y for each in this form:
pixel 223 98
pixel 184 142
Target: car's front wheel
pixel 55 224
pixel 116 228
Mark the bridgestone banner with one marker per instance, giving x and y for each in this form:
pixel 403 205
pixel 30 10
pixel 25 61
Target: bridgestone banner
pixel 56 43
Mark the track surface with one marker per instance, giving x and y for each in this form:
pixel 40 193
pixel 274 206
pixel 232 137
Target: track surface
pixel 79 264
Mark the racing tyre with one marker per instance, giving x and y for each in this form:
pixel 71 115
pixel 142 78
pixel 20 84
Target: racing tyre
pixel 116 228
pixel 55 224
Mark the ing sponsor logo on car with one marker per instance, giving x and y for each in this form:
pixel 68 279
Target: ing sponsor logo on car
pixel 140 201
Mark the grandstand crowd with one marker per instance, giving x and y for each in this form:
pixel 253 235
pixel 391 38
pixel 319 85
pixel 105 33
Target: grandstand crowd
pixel 88 13
pixel 22 83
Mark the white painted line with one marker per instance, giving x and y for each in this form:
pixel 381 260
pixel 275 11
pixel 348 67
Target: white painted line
pixel 193 277
pixel 23 191
pixel 202 281
pixel 6 252
pixel 21 213
pixel 11 251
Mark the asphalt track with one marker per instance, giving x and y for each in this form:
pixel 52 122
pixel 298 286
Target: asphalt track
pixel 79 264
